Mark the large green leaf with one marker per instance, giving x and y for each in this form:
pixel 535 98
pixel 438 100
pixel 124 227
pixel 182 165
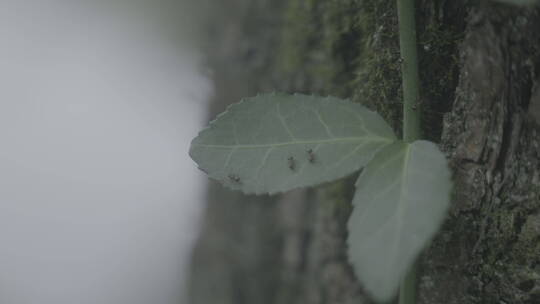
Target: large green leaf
pixel 276 142
pixel 400 201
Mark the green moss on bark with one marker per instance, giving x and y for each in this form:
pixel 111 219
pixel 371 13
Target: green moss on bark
pixel 350 48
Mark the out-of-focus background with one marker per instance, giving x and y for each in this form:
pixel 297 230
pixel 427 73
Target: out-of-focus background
pixel 99 201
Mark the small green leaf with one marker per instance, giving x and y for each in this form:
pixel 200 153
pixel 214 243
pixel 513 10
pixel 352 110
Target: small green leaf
pixel 401 200
pixel 276 142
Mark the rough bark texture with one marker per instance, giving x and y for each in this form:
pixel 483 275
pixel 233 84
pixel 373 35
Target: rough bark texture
pixel 480 68
pixel 489 250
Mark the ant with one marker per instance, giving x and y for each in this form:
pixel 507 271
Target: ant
pixel 292 163
pixel 234 178
pixel 311 156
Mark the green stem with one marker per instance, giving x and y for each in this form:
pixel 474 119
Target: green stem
pixel 407 292
pixel 411 109
pixel 409 70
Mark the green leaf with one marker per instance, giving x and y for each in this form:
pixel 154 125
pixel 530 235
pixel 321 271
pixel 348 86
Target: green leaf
pixel 276 142
pixel 401 200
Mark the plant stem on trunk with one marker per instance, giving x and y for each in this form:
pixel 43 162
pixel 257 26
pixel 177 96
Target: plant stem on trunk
pixel 411 109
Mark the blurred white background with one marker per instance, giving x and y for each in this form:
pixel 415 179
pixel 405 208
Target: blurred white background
pixel 99 201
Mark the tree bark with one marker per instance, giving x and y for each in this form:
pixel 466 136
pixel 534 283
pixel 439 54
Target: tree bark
pixel 480 70
pixel 489 249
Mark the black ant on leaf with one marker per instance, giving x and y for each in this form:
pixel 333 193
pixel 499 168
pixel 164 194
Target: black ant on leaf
pixel 291 163
pixel 234 178
pixel 311 156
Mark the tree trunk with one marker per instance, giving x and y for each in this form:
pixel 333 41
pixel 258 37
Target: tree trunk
pixel 480 70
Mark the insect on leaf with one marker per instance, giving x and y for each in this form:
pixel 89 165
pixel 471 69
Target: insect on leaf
pixel 401 199
pixel 277 142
